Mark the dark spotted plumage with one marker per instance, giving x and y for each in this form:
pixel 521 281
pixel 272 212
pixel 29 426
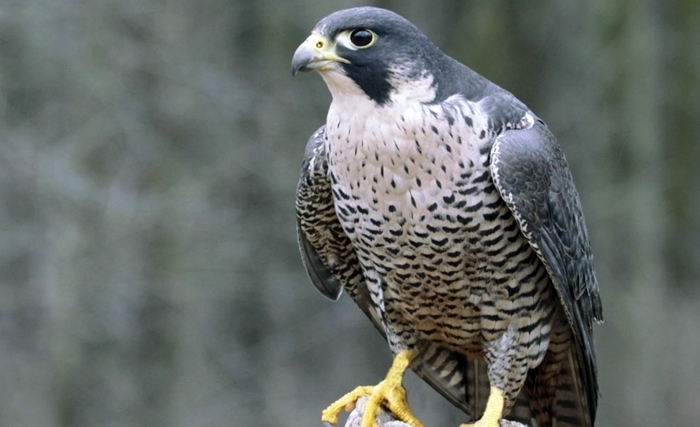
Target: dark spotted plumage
pixel 445 208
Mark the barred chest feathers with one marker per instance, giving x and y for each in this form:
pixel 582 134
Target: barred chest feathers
pixel 399 170
pixel 413 190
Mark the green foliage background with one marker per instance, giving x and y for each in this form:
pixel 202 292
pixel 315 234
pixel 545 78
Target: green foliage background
pixel 149 152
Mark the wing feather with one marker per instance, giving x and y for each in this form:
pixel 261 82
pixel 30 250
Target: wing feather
pixel 532 176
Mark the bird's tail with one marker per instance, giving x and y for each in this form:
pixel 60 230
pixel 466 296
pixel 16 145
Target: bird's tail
pixel 559 398
pixel 464 382
pixel 570 406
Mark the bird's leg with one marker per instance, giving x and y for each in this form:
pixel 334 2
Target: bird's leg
pixel 507 371
pixel 390 393
pixel 493 412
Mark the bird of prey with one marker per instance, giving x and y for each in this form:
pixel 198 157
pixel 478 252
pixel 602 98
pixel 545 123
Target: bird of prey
pixel 445 208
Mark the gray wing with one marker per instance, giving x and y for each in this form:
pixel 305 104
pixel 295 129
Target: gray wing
pixel 332 265
pixel 532 176
pixel 318 226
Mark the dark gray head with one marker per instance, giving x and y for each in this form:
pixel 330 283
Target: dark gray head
pixel 375 48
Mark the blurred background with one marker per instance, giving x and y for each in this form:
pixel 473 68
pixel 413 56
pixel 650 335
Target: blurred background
pixel 149 153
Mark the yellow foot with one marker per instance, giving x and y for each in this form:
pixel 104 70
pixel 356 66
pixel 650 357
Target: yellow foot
pixel 389 393
pixel 492 413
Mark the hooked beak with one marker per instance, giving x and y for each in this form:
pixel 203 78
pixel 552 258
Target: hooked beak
pixel 316 53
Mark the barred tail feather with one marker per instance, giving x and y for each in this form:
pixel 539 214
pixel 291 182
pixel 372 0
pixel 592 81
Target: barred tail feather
pixel 570 407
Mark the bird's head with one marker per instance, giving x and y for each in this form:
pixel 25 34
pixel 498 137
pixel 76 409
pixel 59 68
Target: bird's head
pixel 373 50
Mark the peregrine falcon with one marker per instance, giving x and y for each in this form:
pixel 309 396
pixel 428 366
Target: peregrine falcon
pixel 445 208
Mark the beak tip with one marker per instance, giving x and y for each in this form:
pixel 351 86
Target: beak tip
pixel 303 56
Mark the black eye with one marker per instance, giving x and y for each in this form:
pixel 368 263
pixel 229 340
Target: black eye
pixel 361 38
